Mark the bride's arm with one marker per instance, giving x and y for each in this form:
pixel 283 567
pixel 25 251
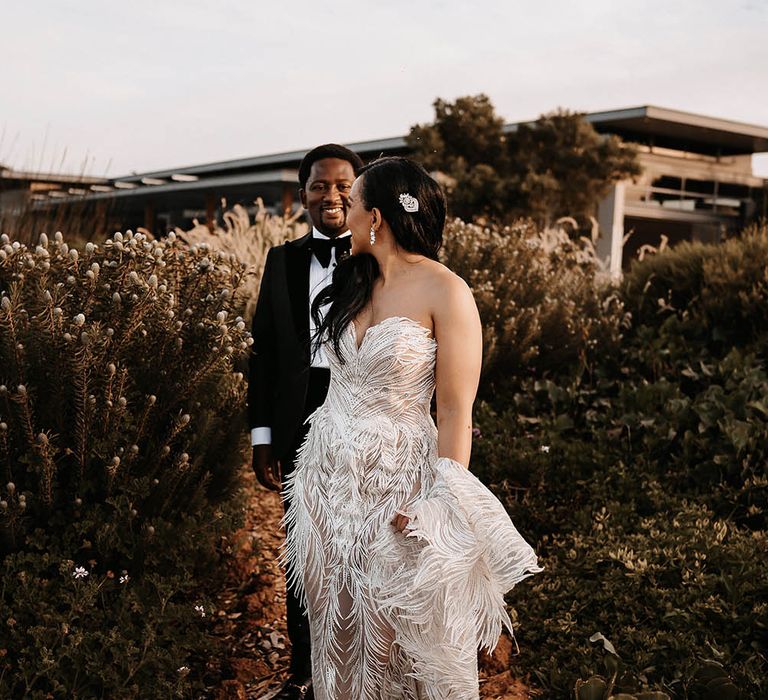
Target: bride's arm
pixel 457 372
pixel 459 356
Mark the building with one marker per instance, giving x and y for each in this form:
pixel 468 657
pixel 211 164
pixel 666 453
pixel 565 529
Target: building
pixel 697 184
pixel 697 181
pixel 22 193
pixel 165 199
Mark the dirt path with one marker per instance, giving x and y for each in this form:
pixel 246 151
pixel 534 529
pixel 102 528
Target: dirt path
pixel 250 617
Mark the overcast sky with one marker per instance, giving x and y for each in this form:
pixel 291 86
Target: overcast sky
pixel 114 87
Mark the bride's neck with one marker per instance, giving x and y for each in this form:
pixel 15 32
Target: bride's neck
pixel 394 261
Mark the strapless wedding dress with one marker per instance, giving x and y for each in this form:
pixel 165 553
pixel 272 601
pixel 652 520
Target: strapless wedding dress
pixel 394 616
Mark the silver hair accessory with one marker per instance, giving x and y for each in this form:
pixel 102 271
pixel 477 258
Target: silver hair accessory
pixel 373 235
pixel 410 204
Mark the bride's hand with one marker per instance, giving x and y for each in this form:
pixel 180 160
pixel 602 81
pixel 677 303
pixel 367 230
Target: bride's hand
pixel 400 522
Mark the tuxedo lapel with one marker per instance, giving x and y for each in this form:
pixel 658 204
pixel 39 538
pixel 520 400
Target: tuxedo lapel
pixel 298 255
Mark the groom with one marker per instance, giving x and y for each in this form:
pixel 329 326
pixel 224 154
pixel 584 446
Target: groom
pixel 285 384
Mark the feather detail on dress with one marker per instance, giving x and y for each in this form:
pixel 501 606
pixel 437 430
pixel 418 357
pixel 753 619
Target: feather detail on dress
pixel 394 616
pixel 445 596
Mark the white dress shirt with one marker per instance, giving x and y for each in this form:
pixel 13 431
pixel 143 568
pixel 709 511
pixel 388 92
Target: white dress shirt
pixel 319 277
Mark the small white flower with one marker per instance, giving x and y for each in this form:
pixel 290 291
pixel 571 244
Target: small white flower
pixel 200 610
pixel 80 572
pixel 125 577
pixel 545 448
pixel 183 670
pixel 410 203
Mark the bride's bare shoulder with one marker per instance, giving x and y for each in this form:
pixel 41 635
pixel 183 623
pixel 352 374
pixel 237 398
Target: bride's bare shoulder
pixel 445 289
pixel 442 279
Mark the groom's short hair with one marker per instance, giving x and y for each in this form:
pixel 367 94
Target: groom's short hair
pixel 327 150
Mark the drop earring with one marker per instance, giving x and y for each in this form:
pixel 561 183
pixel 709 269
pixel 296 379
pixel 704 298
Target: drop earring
pixel 373 235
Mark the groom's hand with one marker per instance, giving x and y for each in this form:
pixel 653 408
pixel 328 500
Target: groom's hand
pixel 266 468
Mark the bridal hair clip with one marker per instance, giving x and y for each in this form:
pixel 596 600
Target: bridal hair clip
pixel 410 204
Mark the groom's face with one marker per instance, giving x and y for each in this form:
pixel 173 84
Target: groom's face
pixel 326 196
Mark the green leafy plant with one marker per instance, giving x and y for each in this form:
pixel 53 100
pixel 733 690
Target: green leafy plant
pixel 642 484
pixel 602 688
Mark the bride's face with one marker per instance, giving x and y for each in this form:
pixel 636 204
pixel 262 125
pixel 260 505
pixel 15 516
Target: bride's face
pixel 359 219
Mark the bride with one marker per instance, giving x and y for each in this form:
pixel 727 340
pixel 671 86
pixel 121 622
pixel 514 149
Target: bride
pixel 400 554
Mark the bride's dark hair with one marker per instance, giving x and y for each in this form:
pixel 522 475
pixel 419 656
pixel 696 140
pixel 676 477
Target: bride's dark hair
pixel 383 182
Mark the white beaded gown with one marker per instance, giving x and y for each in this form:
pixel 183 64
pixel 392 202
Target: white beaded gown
pixel 394 616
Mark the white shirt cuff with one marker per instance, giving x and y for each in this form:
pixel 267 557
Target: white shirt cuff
pixel 261 436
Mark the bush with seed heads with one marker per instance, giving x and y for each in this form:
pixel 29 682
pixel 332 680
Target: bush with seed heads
pixel 120 443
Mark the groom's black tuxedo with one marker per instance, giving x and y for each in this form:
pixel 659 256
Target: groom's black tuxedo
pixel 279 364
pixel 282 388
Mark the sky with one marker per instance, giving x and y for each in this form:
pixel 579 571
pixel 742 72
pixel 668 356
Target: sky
pixel 111 88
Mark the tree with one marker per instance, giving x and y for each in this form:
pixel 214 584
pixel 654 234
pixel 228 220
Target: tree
pixel 557 166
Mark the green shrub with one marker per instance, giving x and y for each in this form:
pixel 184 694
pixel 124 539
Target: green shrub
pixel 643 485
pixel 674 589
pixel 718 292
pixel 545 308
pixel 120 444
pixel 589 468
pixel 626 551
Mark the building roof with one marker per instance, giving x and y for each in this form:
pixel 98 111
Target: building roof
pixel 8 173
pixel 696 131
pixel 682 130
pixel 257 163
pixel 671 128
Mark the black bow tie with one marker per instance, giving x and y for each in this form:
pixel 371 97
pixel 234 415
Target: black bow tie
pixel 321 247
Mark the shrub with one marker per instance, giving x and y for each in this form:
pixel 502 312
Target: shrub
pixel 120 444
pixel 248 241
pixel 586 477
pixel 719 292
pixel 541 297
pixel 675 589
pixel 643 486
